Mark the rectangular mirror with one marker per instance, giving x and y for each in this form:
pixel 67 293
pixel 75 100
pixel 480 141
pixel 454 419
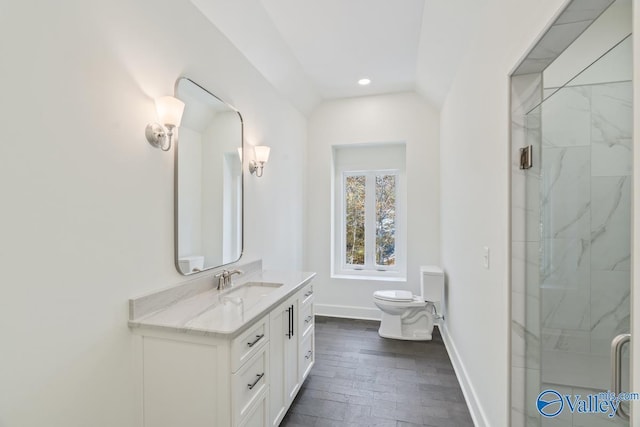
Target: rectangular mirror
pixel 208 181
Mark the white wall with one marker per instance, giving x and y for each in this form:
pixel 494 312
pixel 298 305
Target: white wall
pixel 87 203
pixel 475 202
pixel 386 118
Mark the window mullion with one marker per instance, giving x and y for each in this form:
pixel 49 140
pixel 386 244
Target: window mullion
pixel 370 221
pixel 343 220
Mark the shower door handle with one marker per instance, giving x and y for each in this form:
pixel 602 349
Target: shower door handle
pixel 616 369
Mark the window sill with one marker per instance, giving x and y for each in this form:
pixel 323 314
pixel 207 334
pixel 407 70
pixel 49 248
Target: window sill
pixel 365 276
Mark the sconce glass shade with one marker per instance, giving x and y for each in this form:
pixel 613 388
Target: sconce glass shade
pixel 170 110
pixel 262 156
pixel 262 153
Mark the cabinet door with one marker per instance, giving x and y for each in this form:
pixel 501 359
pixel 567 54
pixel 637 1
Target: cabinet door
pixel 291 359
pixel 284 359
pixel 279 327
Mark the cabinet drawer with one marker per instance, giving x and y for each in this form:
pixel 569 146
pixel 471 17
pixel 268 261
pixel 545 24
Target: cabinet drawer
pixel 257 415
pixel 307 355
pixel 249 384
pixel 306 294
pixel 249 343
pixel 307 319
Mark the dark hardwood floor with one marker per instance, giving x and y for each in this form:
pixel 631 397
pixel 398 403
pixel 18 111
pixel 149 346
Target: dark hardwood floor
pixel 361 379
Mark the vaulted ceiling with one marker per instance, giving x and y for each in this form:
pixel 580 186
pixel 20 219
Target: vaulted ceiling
pixel 315 50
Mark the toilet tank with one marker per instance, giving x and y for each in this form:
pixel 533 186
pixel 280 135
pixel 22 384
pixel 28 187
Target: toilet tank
pixel 191 264
pixel 431 283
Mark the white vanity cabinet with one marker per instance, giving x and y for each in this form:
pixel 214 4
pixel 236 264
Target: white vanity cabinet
pixel 209 380
pixel 291 334
pixel 204 381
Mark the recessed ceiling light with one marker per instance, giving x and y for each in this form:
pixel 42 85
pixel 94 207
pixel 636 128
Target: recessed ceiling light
pixel 363 82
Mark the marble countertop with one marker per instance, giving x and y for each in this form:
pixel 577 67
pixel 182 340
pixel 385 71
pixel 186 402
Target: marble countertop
pixel 215 313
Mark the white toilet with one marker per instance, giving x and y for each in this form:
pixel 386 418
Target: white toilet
pixel 410 317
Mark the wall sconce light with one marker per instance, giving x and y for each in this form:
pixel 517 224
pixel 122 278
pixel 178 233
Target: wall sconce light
pixel 170 111
pixel 262 156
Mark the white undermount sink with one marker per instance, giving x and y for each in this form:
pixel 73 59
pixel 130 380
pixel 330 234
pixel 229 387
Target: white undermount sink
pixel 248 294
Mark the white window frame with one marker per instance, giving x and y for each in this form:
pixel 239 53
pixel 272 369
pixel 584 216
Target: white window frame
pixel 370 270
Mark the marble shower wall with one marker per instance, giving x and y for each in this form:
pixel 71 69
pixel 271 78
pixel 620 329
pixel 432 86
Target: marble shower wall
pixel 585 219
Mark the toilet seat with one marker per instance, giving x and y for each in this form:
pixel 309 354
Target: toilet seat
pixel 394 296
pixel 399 299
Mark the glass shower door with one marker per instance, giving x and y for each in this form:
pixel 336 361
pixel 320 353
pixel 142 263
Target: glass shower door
pixel 585 131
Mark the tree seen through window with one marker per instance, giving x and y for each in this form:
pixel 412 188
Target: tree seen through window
pixel 370 219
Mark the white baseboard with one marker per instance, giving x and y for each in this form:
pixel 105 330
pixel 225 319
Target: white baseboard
pixel 475 409
pixel 348 312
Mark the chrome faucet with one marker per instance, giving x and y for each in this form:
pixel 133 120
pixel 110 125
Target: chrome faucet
pixel 224 278
pixel 231 273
